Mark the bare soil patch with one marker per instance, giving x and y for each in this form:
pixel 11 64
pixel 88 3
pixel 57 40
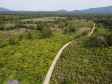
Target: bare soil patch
pixel 14 32
pixel 82 30
pixel 43 19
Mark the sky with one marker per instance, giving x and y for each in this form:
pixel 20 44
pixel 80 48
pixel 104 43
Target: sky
pixel 52 5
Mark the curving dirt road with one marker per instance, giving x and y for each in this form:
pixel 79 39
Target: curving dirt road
pixel 46 81
pixel 92 30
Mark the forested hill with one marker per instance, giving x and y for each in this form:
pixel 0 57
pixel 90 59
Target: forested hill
pixel 95 10
pixel 4 9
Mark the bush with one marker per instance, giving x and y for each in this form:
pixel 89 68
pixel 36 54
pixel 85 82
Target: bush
pixel 95 30
pixel 46 33
pixel 109 39
pixel 90 42
pixel 2 27
pixel 3 43
pixel 84 33
pixel 67 81
pixel 29 36
pixel 12 41
pixel 31 27
pixel 95 41
pixel 40 27
pixel 72 29
pixel 66 30
pixel 10 28
pixel 101 41
pixel 20 37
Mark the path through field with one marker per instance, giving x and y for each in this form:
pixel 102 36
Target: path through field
pixel 92 30
pixel 46 81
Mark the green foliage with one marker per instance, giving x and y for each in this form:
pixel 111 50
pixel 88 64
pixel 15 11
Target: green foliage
pixel 85 33
pixel 29 35
pixel 11 41
pixel 104 22
pixel 10 28
pixel 40 27
pixel 46 33
pixel 66 30
pixel 90 42
pixel 99 38
pixel 19 24
pixel 3 43
pixel 70 18
pixel 95 41
pixel 20 37
pixel 30 60
pixel 1 27
pixel 82 65
pixel 27 58
pixel 109 39
pixel 31 27
pixel 72 28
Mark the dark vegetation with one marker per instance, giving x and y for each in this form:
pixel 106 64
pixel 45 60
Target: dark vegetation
pixel 26 56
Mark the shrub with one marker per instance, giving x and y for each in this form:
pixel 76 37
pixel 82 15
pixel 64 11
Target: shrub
pixel 20 25
pixel 31 27
pixel 67 81
pixel 101 41
pixel 46 33
pixel 29 36
pixel 66 30
pixel 12 41
pixel 95 30
pixel 3 43
pixel 90 42
pixel 95 41
pixel 72 29
pixel 109 39
pixel 20 37
pixel 2 27
pixel 10 28
pixel 84 33
pixel 40 27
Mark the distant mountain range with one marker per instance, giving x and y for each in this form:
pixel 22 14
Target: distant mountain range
pixel 91 10
pixel 4 9
pixel 95 10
